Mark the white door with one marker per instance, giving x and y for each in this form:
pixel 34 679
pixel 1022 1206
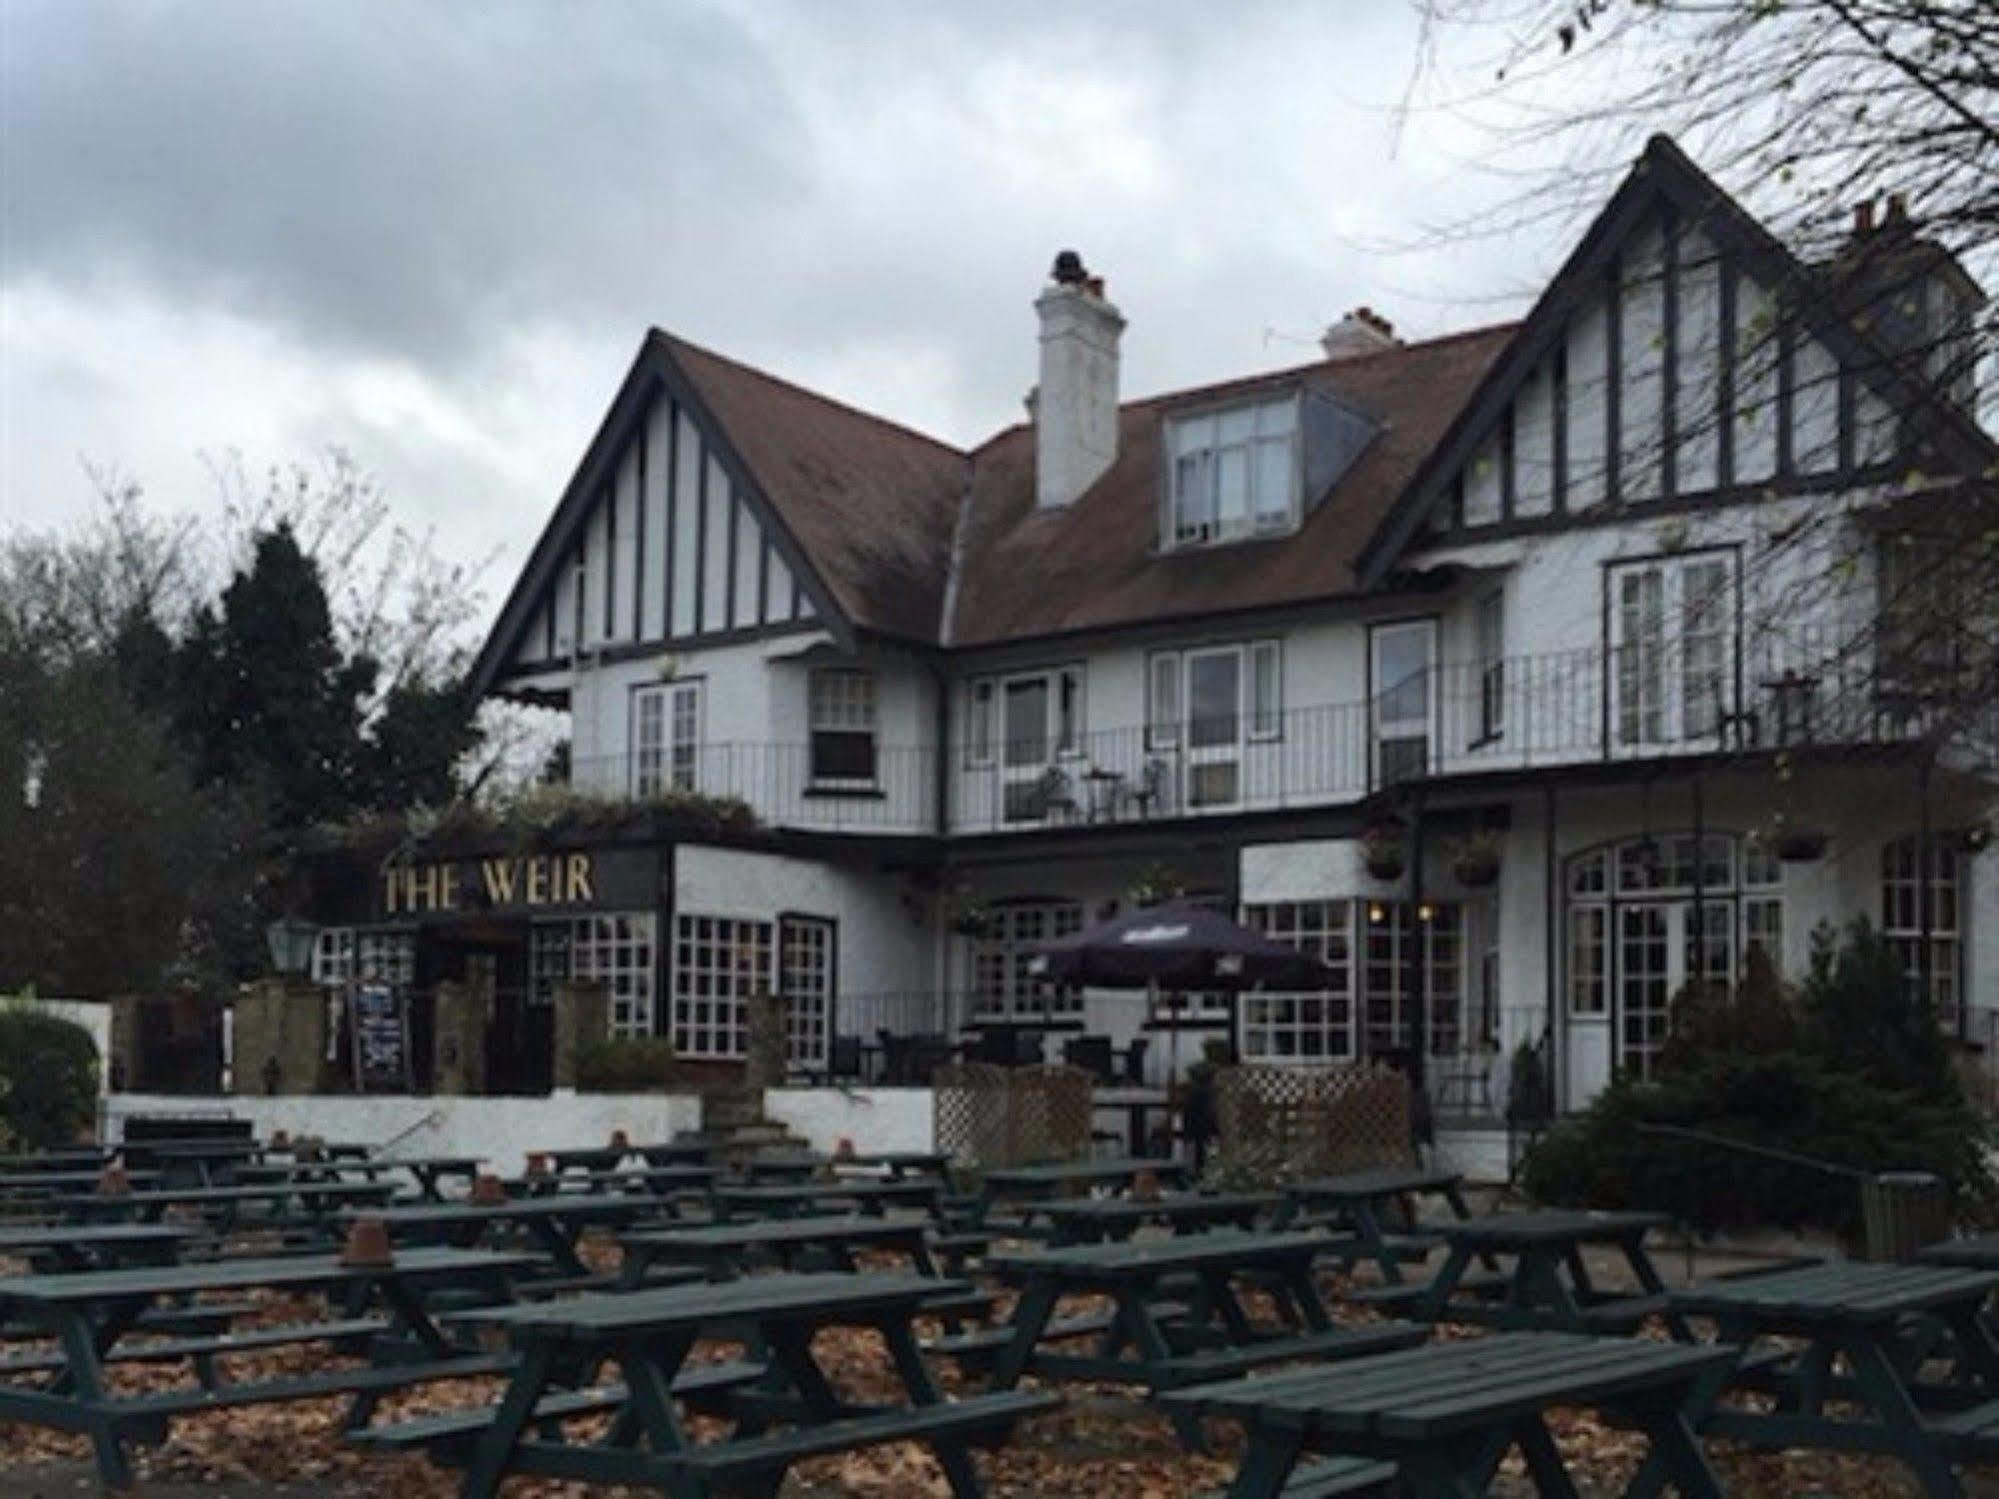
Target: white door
pixel 1660 946
pixel 1403 660
pixel 1214 727
pixel 1671 646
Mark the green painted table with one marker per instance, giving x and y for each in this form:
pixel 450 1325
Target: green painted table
pixel 875 1195
pixel 724 1251
pixel 793 1413
pixel 1084 1220
pixel 1549 1284
pixel 90 1315
pixel 1895 1359
pixel 1160 1334
pixel 286 1203
pixel 658 1181
pixel 62 1247
pixel 1442 1416
pixel 555 1225
pixel 1376 1208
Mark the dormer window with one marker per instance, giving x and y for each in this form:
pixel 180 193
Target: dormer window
pixel 1234 473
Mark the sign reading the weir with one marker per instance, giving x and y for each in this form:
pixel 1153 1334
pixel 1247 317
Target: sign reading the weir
pixel 502 881
pixel 379 1022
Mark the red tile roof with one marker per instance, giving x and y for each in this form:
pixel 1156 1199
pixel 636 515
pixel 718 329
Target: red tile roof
pixel 876 506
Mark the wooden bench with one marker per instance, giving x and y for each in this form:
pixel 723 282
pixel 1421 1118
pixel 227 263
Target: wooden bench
pixel 1333 1478
pixel 1226 1362
pixel 699 1386
pixel 354 1331
pixel 981 1418
pixel 147 1415
pixel 967 1347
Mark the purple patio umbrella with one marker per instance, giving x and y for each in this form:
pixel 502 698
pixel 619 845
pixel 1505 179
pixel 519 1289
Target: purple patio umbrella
pixel 1178 946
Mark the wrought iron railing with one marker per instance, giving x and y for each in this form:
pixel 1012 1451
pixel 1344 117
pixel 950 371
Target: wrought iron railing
pixel 1781 688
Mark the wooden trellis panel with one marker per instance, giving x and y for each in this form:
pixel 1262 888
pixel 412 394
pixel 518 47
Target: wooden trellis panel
pixel 988 1116
pixel 1283 1123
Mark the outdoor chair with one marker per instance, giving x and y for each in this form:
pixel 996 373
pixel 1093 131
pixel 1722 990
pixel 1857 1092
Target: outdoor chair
pixel 843 1058
pixel 1134 1061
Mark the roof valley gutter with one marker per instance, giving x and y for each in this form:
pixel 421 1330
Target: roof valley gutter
pixel 954 565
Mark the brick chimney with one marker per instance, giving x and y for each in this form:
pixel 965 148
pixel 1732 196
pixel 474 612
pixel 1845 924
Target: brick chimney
pixel 1075 405
pixel 1362 331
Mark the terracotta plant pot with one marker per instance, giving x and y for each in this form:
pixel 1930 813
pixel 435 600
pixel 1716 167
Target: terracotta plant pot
pixel 1145 1187
pixel 280 1138
pixel 367 1246
pixel 1801 845
pixel 620 1140
pixel 843 1149
pixel 488 1190
pixel 537 1163
pixel 114 1181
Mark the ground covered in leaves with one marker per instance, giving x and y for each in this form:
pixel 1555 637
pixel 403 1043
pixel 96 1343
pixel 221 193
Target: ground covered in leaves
pixel 1103 1443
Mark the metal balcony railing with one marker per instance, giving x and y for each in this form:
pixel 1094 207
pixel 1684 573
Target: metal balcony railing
pixel 1650 701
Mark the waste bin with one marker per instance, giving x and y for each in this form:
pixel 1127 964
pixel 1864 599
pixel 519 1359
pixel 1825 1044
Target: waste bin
pixel 1902 1212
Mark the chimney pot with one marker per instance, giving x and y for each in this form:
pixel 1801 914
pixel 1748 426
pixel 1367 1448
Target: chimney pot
pixel 1068 268
pixel 1361 331
pixel 1863 217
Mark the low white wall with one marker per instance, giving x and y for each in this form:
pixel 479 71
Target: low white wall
pixel 94 1016
pixel 1480 1154
pixel 501 1131
pixel 873 1118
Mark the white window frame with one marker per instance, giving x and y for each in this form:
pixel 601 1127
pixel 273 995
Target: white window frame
pixel 666 736
pixel 1199 448
pixel 1259 717
pixel 719 962
pixel 842 700
pixel 1401 729
pixel 1489 641
pixel 1324 1018
pixel 996 962
pixel 1902 918
pixel 1671 671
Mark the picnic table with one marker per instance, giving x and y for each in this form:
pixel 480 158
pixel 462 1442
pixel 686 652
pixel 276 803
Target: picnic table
pixel 786 1406
pixel 555 1225
pixel 868 1194
pixel 1024 1184
pixel 1083 1220
pixel 724 1250
pixel 288 1202
pixel 1972 1252
pixel 32 1186
pixel 69 1158
pixel 1882 1323
pixel 783 1166
pixel 1364 1204
pixel 91 1246
pixel 899 1163
pixel 1156 1334
pixel 658 1181
pixel 1550 1285
pixel 90 1314
pixel 1441 1416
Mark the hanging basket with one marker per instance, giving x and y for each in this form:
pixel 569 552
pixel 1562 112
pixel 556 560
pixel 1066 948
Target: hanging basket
pixel 1475 871
pixel 1800 845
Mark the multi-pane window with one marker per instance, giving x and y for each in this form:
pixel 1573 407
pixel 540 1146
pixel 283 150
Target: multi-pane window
pixel 1491 646
pixel 805 951
pixel 1388 1012
pixel 719 963
pixel 1001 984
pixel 1209 703
pixel 344 954
pixel 1306 1027
pixel 1025 719
pixel 666 737
pixel 617 949
pixel 843 726
pixel 1637 934
pixel 1909 883
pixel 1234 473
pixel 1672 624
pixel 548 959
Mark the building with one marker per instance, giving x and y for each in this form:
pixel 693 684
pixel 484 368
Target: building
pixel 1591 618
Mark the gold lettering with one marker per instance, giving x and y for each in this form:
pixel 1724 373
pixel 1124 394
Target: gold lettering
pixel 580 886
pixel 501 880
pixel 538 881
pixel 448 881
pixel 391 878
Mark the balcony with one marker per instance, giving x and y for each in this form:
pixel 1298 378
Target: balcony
pixel 1459 719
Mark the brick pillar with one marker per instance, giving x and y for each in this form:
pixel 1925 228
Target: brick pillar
pixel 582 1016
pixel 464 1013
pixel 281 1021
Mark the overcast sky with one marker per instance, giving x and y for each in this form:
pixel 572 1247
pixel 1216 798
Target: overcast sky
pixel 434 234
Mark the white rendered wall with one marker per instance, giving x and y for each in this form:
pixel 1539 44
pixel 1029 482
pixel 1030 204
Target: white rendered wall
pixel 873 1118
pixel 499 1131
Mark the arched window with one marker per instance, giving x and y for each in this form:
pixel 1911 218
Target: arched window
pixel 1647 915
pixel 1904 921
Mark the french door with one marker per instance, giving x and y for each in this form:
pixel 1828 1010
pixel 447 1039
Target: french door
pixel 1024 746
pixel 1661 946
pixel 1214 727
pixel 1402 659
pixel 1672 635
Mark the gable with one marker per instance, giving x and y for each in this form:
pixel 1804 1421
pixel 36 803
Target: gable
pixel 1680 353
